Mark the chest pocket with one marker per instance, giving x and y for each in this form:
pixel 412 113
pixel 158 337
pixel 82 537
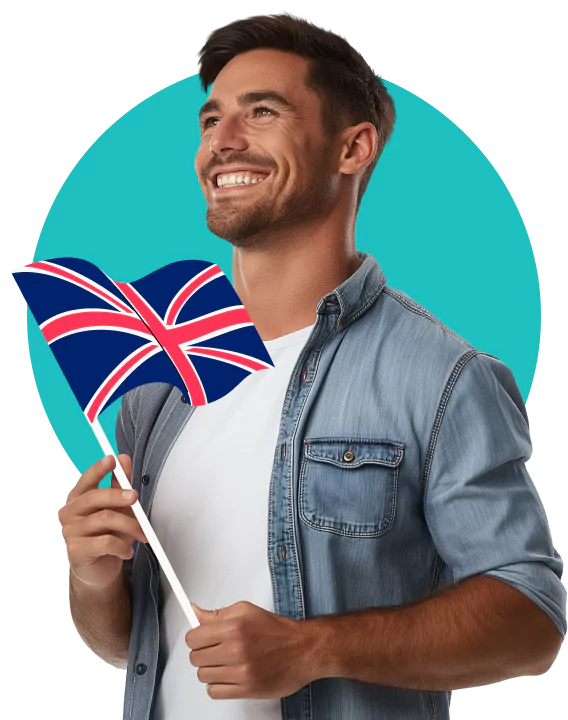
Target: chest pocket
pixel 348 486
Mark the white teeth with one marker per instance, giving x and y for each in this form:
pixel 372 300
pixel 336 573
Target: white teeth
pixel 237 179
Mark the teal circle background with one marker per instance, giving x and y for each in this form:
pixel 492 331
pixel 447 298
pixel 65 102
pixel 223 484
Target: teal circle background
pixel 436 215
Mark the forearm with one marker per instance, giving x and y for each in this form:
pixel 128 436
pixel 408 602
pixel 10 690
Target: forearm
pixel 479 632
pixel 103 617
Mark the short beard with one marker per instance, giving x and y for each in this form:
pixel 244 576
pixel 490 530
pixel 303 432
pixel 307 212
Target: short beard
pixel 259 226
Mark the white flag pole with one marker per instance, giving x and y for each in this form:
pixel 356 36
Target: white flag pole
pixel 147 528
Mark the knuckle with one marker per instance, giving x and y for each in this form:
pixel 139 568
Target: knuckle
pixel 192 660
pixel 238 627
pixel 238 652
pixel 106 516
pixel 200 674
pixel 247 675
pixel 107 542
pixel 87 499
pixel 71 548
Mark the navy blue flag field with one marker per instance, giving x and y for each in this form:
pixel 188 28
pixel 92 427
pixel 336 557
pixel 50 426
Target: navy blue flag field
pixel 183 324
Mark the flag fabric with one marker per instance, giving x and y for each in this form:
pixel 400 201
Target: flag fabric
pixel 183 324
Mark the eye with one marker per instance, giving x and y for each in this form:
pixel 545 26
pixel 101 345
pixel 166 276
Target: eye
pixel 260 108
pixel 207 122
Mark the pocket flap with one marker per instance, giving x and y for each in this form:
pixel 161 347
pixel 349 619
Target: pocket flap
pixel 350 453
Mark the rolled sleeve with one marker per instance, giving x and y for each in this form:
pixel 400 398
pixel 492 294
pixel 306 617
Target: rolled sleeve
pixel 481 506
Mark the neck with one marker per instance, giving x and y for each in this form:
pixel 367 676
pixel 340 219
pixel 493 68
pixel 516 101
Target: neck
pixel 281 283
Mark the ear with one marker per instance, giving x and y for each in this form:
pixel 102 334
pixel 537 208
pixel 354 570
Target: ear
pixel 358 148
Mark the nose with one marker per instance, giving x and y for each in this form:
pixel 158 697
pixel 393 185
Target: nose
pixel 227 137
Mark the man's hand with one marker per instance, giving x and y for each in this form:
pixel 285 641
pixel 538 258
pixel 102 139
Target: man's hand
pixel 99 525
pixel 244 651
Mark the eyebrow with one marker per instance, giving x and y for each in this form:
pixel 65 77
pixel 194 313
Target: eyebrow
pixel 247 99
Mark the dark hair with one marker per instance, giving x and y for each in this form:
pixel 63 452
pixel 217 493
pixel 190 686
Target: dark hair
pixel 350 91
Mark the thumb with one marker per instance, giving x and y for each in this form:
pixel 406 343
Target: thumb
pixel 205 615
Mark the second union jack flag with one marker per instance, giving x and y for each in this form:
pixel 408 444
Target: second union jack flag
pixel 183 324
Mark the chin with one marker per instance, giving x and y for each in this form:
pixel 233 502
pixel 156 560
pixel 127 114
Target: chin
pixel 242 232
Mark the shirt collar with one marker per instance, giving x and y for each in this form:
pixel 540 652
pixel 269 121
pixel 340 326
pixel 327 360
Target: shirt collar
pixel 355 294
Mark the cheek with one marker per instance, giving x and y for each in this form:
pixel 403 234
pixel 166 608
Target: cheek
pixel 201 157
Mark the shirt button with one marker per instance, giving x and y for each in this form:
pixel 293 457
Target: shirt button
pixel 145 479
pixel 348 456
pixel 141 669
pixel 183 399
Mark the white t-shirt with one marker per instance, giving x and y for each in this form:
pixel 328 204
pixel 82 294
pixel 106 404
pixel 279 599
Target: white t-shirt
pixel 210 513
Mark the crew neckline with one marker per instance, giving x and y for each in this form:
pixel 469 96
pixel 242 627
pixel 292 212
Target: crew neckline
pixel 289 339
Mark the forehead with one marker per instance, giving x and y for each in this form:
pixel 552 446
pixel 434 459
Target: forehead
pixel 262 68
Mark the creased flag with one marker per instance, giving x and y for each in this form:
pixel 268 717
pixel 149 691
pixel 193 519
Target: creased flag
pixel 183 324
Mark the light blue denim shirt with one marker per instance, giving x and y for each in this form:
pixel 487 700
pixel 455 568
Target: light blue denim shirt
pixel 399 469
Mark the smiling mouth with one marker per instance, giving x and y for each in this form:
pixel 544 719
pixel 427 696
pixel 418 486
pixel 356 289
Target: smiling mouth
pixel 230 181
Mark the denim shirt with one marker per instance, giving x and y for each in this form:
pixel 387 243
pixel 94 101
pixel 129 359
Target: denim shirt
pixel 399 470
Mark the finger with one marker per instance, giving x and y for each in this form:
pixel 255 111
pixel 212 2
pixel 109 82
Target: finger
pixel 127 509
pixel 98 499
pixel 209 656
pixel 226 691
pixel 126 465
pixel 103 522
pixel 92 477
pixel 83 551
pixel 205 635
pixel 72 533
pixel 219 674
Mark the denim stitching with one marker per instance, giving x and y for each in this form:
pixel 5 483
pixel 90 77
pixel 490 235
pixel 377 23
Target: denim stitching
pixel 383 462
pixel 419 310
pixel 121 416
pixel 433 707
pixel 428 464
pixel 270 548
pixel 397 456
pixel 295 550
pixel 440 413
pixel 366 303
pixel 132 693
pixel 348 533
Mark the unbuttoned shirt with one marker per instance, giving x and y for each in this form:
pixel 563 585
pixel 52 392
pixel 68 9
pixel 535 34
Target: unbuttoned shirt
pixel 399 470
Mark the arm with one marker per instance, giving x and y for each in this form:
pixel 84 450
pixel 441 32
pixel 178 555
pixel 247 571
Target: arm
pixel 103 617
pixel 479 632
pixel 504 614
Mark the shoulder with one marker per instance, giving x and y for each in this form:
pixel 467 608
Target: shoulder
pixel 409 339
pixel 421 320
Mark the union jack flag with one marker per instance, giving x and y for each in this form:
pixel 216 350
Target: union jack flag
pixel 183 324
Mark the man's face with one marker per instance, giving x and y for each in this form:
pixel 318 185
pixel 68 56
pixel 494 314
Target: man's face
pixel 262 121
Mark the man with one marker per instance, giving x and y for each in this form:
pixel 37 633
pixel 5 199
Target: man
pixel 359 519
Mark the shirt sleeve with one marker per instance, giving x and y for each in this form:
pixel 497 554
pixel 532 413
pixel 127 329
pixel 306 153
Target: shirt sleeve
pixel 124 433
pixel 481 506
